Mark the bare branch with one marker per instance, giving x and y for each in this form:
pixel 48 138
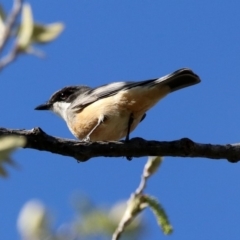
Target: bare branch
pixel 11 19
pixel 138 201
pixel 123 224
pixel 136 147
pixel 10 57
pixel 150 168
pixel 129 215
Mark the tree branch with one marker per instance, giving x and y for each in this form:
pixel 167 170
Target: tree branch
pixel 136 147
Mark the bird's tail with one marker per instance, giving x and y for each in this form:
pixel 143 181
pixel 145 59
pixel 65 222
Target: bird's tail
pixel 179 79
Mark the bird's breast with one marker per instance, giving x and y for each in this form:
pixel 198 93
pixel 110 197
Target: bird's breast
pixel 116 110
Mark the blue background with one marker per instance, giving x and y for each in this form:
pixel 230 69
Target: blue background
pixel 107 41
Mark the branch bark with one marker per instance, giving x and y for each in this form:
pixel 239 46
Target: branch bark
pixel 136 147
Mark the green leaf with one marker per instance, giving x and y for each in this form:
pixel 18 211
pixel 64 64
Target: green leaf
pixel 33 221
pixel 2 13
pixel 7 145
pixel 159 213
pixel 152 165
pixel 2 30
pixel 97 218
pixel 100 221
pixel 26 28
pixel 2 25
pixel 3 172
pixel 46 33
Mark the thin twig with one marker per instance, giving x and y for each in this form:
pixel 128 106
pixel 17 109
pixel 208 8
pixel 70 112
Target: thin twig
pixel 142 184
pixel 10 57
pixel 11 19
pixel 135 198
pixel 128 216
pixel 121 227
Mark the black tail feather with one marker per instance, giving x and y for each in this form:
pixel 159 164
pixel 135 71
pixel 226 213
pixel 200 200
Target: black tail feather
pixel 180 79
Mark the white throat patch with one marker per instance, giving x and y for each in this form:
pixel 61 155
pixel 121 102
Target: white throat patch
pixel 60 108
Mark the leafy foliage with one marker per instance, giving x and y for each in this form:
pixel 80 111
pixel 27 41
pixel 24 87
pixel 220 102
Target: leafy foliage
pixel 31 32
pixel 7 146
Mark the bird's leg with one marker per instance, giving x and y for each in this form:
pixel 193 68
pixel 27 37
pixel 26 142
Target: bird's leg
pixel 100 121
pixel 130 121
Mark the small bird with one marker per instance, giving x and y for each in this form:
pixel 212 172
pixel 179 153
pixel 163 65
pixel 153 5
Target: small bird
pixel 112 111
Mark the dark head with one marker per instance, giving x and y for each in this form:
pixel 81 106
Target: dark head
pixel 67 94
pixel 61 99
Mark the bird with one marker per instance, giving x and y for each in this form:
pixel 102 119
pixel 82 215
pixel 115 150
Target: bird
pixel 112 111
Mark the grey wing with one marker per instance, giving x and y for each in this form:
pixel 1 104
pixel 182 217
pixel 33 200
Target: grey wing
pixel 102 92
pixel 179 79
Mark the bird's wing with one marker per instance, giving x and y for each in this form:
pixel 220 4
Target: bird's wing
pixel 103 92
pixel 179 79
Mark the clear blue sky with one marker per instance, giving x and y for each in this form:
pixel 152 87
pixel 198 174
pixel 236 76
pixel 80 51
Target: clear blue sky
pixel 108 41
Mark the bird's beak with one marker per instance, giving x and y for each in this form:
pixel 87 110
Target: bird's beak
pixel 45 106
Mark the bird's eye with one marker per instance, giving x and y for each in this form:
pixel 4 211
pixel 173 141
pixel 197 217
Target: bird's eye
pixel 63 96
